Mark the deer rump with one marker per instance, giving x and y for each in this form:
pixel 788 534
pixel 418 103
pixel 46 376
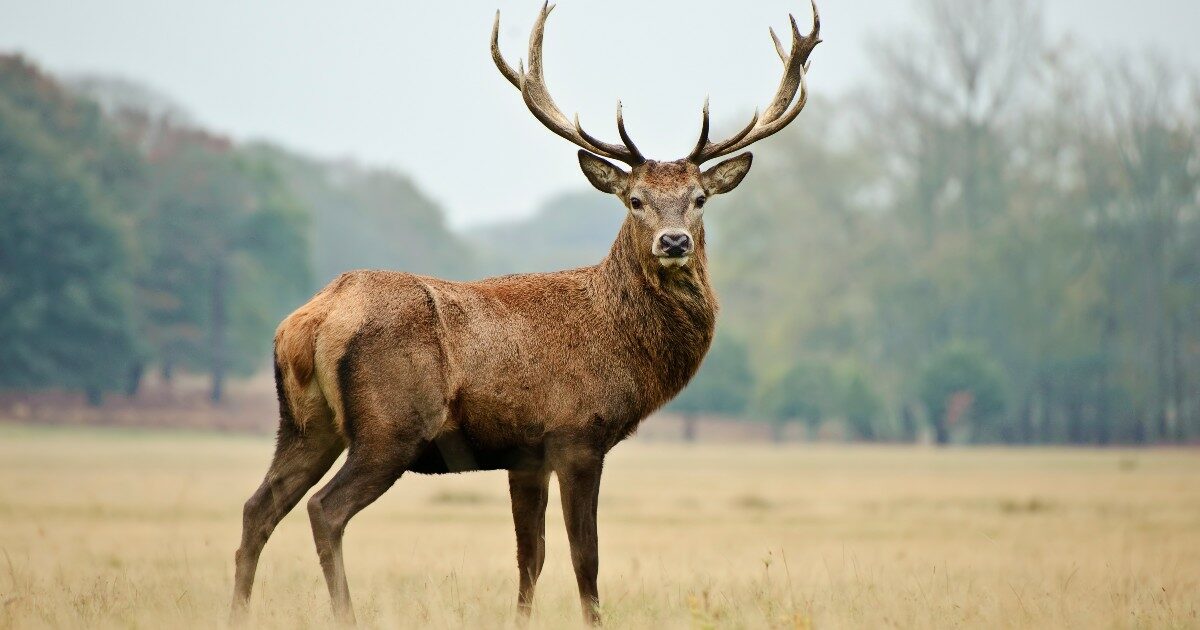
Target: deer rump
pixel 482 373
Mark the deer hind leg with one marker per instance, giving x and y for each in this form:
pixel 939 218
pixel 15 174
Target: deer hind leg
pixel 373 465
pixel 301 459
pixel 390 419
pixel 529 491
pixel 365 476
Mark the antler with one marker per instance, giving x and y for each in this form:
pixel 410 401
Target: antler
pixel 777 115
pixel 537 97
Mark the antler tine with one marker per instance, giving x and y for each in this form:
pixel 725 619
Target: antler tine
pixel 778 113
pixel 775 38
pixel 606 149
pixel 790 81
pixel 723 147
pixel 816 29
pixel 532 84
pixel 703 141
pixel 706 150
pixel 633 150
pixel 501 64
pixel 770 127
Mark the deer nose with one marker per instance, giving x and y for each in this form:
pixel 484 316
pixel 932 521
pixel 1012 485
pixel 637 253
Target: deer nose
pixel 675 244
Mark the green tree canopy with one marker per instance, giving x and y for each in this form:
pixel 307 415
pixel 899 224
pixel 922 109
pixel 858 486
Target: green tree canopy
pixel 227 249
pixel 961 383
pixel 723 383
pixel 806 392
pixel 65 290
pixel 860 404
pixel 721 386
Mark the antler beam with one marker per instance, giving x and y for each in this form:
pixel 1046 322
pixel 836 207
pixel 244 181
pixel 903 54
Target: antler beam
pixel 532 85
pixel 777 115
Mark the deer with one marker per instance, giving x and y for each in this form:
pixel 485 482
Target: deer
pixel 535 374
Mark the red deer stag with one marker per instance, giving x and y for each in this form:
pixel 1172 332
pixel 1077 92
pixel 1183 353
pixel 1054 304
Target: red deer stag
pixel 531 373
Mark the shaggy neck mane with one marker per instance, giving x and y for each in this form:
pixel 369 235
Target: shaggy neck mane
pixel 664 313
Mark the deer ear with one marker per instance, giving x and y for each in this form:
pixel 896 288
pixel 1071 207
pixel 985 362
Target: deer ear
pixel 603 174
pixel 726 176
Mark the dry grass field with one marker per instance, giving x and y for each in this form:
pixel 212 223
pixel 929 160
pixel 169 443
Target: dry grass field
pixel 137 529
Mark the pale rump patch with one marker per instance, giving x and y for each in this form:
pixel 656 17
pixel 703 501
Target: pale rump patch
pixel 308 346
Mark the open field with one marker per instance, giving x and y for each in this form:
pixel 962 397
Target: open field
pixel 137 529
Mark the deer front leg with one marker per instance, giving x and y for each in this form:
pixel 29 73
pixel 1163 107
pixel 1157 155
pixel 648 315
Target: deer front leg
pixel 579 486
pixel 529 491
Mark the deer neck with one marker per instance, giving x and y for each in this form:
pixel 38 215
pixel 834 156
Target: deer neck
pixel 665 314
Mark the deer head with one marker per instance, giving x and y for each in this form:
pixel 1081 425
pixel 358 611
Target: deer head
pixel 665 199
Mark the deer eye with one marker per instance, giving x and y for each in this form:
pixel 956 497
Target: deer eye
pixel 635 203
pixel 700 201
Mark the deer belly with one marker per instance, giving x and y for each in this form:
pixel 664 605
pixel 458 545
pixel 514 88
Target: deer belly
pixel 455 451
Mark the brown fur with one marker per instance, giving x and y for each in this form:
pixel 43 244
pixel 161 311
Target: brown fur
pixel 492 341
pixel 533 373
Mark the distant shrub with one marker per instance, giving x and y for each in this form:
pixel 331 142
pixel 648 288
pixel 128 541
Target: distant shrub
pixel 806 392
pixel 860 404
pixel 722 385
pixel 962 384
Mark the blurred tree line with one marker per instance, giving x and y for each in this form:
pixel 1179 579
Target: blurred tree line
pixel 996 238
pixel 133 238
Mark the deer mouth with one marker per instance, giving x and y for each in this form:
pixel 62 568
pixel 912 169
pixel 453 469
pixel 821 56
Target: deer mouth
pixel 673 261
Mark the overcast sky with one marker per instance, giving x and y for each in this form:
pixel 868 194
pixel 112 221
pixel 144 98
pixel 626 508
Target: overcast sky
pixel 411 85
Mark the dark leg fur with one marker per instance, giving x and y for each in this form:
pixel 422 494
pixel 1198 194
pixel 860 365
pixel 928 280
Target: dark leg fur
pixel 579 486
pixel 529 491
pixel 366 475
pixel 301 459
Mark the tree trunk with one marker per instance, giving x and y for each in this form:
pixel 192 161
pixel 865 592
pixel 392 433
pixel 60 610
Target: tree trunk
pixel 1025 421
pixel 908 424
pixel 218 332
pixel 941 433
pixel 1104 421
pixel 1162 431
pixel 689 427
pixel 865 429
pixel 1178 374
pixel 1192 396
pixel 1049 406
pixel 94 396
pixel 133 381
pixel 777 432
pixel 1139 427
pixel 941 430
pixel 1075 423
